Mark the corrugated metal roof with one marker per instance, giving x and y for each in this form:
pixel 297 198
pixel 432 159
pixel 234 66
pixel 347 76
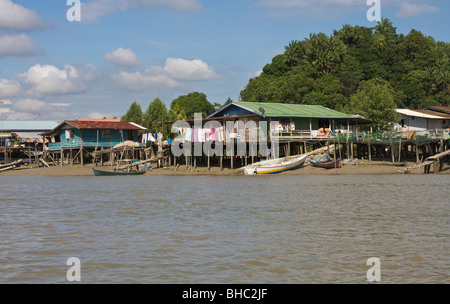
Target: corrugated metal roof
pixel 441 109
pixel 292 110
pixel 97 124
pixel 38 125
pixel 421 113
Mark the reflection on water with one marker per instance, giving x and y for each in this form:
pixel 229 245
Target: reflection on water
pixel 262 229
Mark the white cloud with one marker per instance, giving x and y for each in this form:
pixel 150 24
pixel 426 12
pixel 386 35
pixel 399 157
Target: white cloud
pixel 9 88
pixel 59 104
pixel 410 9
pixel 16 17
pixel 122 57
pixel 17 45
pixel 30 105
pixel 182 69
pixel 30 109
pixel 50 80
pixel 93 10
pixel 171 75
pixel 150 78
pixel 96 115
pixel 5 102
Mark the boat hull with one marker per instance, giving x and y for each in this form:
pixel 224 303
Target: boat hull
pixel 326 163
pixel 110 173
pixel 275 166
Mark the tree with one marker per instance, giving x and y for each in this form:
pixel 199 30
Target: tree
pixel 375 101
pixel 176 113
pixel 155 114
pixel 134 114
pixel 193 103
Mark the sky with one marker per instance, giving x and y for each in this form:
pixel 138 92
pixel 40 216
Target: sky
pixel 53 67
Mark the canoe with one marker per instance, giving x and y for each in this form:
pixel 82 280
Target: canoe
pixel 273 166
pixel 326 162
pixel 111 173
pixel 14 164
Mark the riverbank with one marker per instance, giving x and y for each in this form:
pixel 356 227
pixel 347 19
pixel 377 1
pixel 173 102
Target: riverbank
pixel 364 167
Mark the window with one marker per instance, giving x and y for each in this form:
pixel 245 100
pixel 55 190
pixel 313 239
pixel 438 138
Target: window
pixel 106 133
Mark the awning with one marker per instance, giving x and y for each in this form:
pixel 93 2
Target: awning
pixel 29 137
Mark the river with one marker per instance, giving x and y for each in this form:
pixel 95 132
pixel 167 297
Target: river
pixel 211 229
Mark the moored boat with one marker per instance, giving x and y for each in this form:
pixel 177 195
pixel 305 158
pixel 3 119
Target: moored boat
pixel 326 162
pixel 273 166
pixel 11 165
pixel 111 173
pixel 350 161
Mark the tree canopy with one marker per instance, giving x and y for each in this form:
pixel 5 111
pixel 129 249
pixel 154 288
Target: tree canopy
pixel 192 103
pixel 356 63
pixel 134 114
pixel 156 113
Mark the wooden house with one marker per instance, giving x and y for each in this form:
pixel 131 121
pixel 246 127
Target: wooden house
pixel 22 139
pixel 90 135
pixel 429 118
pixel 290 121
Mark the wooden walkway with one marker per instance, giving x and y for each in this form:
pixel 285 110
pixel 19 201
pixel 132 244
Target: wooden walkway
pixel 434 160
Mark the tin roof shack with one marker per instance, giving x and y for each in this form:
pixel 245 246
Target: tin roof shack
pixel 430 118
pixel 22 139
pixel 291 121
pixel 85 136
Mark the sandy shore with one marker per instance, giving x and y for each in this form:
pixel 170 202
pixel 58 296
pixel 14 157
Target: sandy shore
pixel 364 167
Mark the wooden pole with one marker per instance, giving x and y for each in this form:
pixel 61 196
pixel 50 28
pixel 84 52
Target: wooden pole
pixel 81 148
pixel 417 153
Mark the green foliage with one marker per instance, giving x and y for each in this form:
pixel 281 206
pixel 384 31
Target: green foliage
pixel 375 101
pixel 333 70
pixel 155 114
pixel 193 103
pixel 134 114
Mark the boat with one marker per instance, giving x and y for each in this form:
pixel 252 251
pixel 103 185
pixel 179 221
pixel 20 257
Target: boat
pixel 11 165
pixel 273 166
pixel 111 173
pixel 348 162
pixel 326 162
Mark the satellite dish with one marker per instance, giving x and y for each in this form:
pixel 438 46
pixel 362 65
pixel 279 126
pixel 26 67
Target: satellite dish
pixel 262 110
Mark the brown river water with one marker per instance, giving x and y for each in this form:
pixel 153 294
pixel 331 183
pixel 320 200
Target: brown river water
pixel 232 229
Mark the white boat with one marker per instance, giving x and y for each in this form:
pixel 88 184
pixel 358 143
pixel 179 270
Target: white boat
pixel 273 166
pixel 349 162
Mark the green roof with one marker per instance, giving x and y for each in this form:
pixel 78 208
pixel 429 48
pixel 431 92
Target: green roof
pixel 292 110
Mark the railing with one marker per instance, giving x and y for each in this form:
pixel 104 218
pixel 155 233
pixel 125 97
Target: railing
pixel 365 137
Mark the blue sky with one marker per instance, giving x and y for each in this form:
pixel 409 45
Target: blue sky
pixel 122 51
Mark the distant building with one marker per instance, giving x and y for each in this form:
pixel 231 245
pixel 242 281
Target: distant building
pixel 429 118
pixel 22 139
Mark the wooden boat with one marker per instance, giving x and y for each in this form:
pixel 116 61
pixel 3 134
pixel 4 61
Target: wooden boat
pixel 326 162
pixel 273 166
pixel 11 165
pixel 111 173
